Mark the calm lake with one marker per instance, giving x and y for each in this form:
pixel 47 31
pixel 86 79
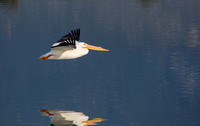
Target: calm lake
pixel 150 76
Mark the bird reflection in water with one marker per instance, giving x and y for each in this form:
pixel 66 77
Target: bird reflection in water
pixel 69 118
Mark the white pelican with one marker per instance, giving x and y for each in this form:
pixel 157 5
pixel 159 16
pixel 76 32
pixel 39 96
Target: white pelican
pixel 68 47
pixel 69 118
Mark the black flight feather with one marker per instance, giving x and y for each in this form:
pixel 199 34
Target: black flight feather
pixel 69 39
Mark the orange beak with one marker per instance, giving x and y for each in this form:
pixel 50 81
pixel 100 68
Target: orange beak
pixel 45 57
pixel 94 121
pixel 95 48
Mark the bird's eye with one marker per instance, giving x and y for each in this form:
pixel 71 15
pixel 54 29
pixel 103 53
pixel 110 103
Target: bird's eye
pixel 85 44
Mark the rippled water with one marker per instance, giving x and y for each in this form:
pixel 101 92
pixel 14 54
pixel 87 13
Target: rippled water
pixel 150 77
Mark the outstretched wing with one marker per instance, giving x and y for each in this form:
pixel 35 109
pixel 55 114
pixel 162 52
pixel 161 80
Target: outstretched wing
pixel 69 39
pixel 70 42
pixel 74 33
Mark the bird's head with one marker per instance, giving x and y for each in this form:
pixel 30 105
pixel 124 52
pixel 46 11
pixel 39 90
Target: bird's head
pixel 91 47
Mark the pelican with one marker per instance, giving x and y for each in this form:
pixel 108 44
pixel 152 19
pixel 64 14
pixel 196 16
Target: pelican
pixel 69 118
pixel 69 47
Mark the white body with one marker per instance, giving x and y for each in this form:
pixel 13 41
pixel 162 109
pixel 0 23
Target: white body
pixel 59 118
pixel 69 53
pixel 63 52
pixel 69 118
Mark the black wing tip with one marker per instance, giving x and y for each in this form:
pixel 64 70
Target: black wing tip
pixel 69 39
pixel 75 33
pixel 78 29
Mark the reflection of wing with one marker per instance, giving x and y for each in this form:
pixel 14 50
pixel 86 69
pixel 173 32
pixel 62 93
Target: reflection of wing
pixel 65 118
pixel 71 124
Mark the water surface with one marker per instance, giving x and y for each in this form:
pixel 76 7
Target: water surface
pixel 150 77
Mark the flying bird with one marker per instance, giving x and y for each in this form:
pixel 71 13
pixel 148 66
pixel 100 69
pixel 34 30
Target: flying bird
pixel 69 118
pixel 69 47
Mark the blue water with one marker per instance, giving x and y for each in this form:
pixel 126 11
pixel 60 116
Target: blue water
pixel 150 76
